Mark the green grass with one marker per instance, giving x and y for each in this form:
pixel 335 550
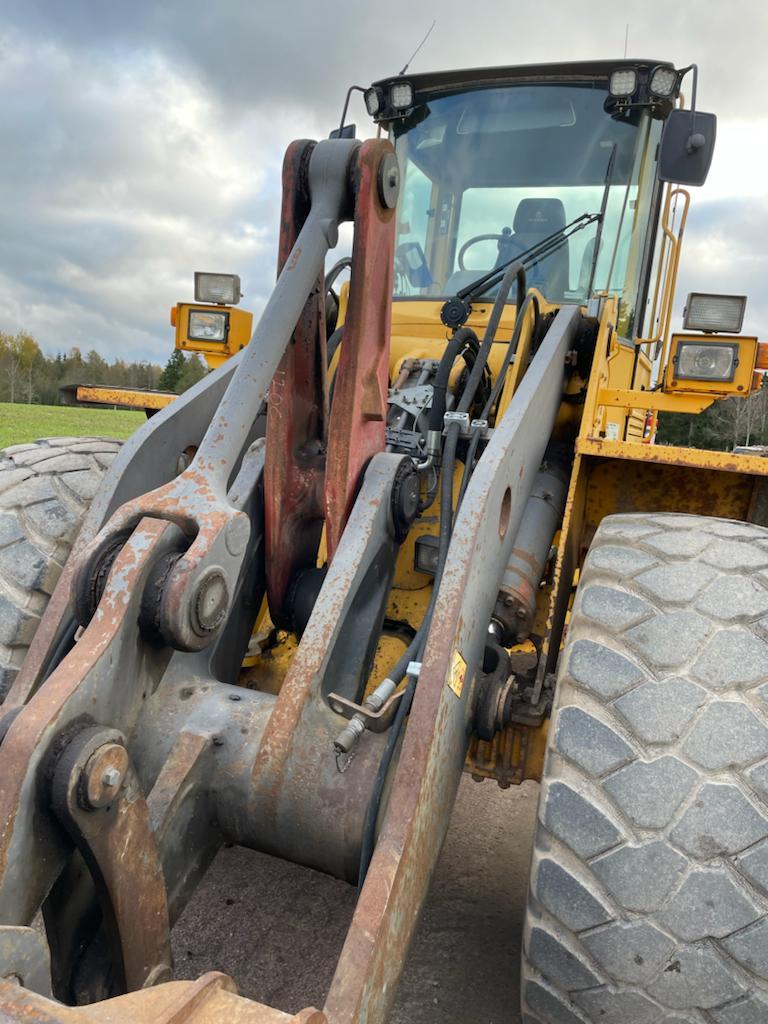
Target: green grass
pixel 20 424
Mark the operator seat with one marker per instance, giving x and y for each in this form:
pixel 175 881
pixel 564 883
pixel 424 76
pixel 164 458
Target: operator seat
pixel 536 219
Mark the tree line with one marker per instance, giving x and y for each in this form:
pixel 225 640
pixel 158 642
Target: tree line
pixel 723 426
pixel 30 376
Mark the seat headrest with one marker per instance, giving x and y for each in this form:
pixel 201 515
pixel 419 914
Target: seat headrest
pixel 539 217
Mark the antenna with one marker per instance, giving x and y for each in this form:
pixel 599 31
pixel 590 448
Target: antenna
pixel 626 39
pixel 426 37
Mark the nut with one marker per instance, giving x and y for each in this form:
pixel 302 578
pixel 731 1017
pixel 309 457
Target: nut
pixel 104 774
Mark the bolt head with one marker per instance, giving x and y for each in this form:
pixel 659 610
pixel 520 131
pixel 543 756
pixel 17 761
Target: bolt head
pixel 104 775
pixel 111 778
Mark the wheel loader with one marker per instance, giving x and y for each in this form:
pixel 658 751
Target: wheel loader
pixel 418 525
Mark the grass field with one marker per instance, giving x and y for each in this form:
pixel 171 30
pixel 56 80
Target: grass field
pixel 20 424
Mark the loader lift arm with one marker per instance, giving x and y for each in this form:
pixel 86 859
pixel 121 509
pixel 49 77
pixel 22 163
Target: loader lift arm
pixel 132 751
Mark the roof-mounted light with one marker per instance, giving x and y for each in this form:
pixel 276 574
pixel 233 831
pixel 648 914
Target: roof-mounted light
pixel 623 82
pixel 663 82
pixel 401 95
pixel 374 100
pixel 223 289
pixel 714 313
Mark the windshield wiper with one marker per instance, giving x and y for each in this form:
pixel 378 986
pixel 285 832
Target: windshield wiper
pixel 457 310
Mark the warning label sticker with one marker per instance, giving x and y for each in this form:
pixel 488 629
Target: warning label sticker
pixel 457 673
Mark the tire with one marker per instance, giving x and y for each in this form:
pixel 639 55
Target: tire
pixel 45 490
pixel 648 901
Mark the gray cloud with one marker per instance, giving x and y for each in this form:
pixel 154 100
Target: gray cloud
pixel 724 251
pixel 143 141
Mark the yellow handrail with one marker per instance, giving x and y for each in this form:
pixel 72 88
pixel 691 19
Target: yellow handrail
pixel 669 254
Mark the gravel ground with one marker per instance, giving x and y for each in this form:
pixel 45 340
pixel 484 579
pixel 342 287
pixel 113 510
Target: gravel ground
pixel 277 929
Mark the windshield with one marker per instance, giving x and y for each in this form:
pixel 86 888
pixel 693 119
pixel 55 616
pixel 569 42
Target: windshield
pixel 489 173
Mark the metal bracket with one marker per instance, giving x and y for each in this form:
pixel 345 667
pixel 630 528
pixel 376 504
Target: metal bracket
pixel 481 427
pixel 97 797
pixel 375 721
pixel 462 418
pixel 407 441
pixel 411 400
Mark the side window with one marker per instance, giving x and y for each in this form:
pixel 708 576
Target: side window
pixel 413 218
pixel 414 213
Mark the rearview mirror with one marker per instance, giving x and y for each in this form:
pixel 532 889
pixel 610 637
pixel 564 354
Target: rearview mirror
pixel 687 146
pixel 348 131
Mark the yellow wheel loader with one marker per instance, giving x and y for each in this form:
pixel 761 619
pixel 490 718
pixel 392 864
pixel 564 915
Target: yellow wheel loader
pixel 416 526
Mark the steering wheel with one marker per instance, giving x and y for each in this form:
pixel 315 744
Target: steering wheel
pixel 505 237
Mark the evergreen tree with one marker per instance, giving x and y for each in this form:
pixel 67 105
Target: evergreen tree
pixel 171 375
pixel 194 370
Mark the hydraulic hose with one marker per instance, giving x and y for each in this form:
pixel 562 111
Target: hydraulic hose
pixel 530 300
pixel 499 384
pixel 415 649
pixel 516 270
pixel 333 343
pixel 413 652
pixel 463 338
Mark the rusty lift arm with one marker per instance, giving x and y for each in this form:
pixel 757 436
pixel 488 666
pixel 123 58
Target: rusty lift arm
pixel 128 752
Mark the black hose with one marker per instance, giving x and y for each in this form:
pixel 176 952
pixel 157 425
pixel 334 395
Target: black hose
pixel 499 384
pixel 460 340
pixel 516 270
pixel 338 268
pixel 413 652
pixel 512 349
pixel 333 343
pixel 463 338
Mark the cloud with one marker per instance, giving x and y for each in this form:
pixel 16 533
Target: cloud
pixel 723 251
pixel 143 141
pixel 134 182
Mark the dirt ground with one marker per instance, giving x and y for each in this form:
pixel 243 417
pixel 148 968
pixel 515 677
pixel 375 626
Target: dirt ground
pixel 277 929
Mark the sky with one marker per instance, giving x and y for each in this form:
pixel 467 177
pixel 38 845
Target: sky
pixel 142 141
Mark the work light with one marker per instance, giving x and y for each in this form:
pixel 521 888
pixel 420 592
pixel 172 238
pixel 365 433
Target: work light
pixel 401 95
pixel 221 288
pixel 623 82
pixel 207 325
pixel 373 100
pixel 714 312
pixel 663 81
pixel 706 360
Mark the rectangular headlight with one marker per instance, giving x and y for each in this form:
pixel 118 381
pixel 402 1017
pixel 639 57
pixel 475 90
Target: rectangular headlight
pixel 706 360
pixel 207 325
pixel 714 312
pixel 221 288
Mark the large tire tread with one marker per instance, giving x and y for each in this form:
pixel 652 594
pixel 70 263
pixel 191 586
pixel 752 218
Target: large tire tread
pixel 45 490
pixel 649 886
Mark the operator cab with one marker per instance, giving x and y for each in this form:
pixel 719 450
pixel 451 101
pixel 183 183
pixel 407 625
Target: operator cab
pixel 497 161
